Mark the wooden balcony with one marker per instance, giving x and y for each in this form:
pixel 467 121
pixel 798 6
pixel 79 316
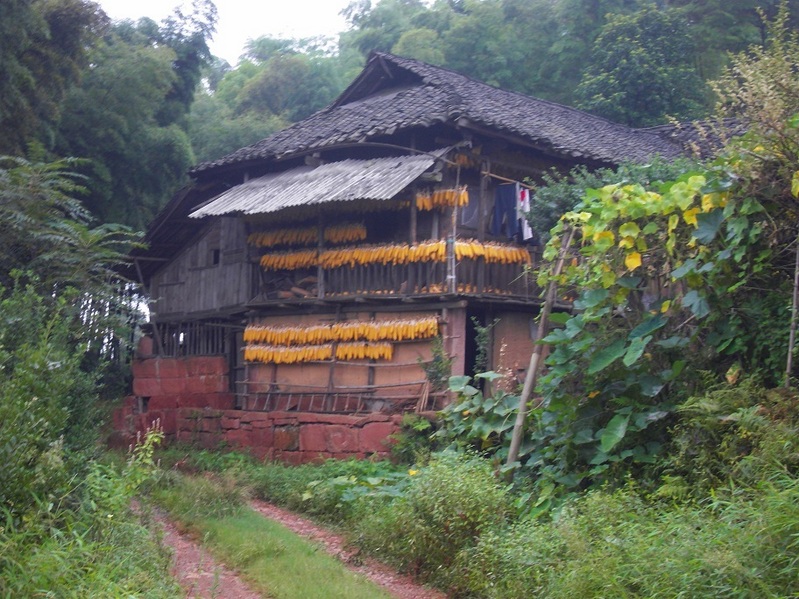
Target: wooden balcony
pixel 413 281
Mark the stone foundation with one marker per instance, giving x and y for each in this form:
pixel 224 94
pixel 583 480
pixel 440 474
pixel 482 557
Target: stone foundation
pixel 191 399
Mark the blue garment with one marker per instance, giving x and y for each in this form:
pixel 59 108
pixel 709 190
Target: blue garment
pixel 505 199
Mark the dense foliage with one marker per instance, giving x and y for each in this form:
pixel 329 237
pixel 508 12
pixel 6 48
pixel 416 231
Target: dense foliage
pixel 67 527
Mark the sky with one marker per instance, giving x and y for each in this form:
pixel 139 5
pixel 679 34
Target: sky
pixel 240 20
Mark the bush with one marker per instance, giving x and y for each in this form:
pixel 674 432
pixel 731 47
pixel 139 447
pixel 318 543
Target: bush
pixel 89 543
pixel 617 545
pixel 445 509
pixel 736 434
pixel 327 491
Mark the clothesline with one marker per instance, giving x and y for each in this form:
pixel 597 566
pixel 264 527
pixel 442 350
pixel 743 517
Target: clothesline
pixel 501 178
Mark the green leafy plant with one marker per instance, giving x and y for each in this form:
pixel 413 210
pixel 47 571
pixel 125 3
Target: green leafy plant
pixel 448 505
pixel 474 421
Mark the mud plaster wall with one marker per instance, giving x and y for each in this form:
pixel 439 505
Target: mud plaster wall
pixel 513 344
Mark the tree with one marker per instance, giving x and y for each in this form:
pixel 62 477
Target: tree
pixel 642 70
pixel 135 163
pixel 44 49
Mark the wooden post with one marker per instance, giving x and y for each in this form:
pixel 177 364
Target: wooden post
pixel 794 308
pixel 534 367
pixel 483 203
pixel 320 272
pixel 414 214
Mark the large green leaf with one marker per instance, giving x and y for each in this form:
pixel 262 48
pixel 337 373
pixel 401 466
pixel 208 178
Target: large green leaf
pixel 648 326
pixel 591 298
pixel 614 432
pixel 636 349
pixel 696 303
pixel 605 357
pixel 707 225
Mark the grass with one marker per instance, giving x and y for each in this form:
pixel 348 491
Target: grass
pixel 277 562
pixel 271 558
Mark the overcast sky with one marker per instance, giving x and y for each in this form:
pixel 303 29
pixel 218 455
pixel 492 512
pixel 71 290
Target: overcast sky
pixel 240 20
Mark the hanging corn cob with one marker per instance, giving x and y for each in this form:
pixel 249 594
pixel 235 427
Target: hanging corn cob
pixel 306 236
pixel 290 260
pixel 442 198
pixel 346 233
pixel 287 355
pixel 364 351
pixel 382 330
pixel 429 251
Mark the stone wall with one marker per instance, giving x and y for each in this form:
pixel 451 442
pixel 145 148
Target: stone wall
pixel 292 437
pixel 191 398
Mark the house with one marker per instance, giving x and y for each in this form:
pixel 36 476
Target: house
pixel 309 288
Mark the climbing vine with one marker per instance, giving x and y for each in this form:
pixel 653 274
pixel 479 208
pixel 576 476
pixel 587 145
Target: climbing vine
pixel 657 273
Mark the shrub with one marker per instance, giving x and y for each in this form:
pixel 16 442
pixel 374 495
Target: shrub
pixel 446 508
pixel 616 544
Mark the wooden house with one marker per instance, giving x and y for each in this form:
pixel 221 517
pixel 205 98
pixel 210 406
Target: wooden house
pixel 333 267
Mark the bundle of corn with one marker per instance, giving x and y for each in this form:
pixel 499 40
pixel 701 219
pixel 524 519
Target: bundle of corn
pixel 290 260
pixel 272 354
pixel 346 233
pixel 382 330
pixel 431 251
pixel 442 198
pixel 426 251
pixel 295 237
pixel 364 351
pixel 494 253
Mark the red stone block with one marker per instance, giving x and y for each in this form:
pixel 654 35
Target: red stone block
pixel 146 387
pixel 293 458
pixel 313 438
pixel 341 439
pixel 250 416
pixel 184 436
pixel 286 438
pixel 237 438
pixel 344 419
pixel 173 386
pixel 145 369
pixel 206 383
pixel 229 423
pixel 261 453
pixel 205 365
pixel 262 437
pixel 208 440
pixel 145 347
pixel 210 425
pixel 169 422
pixel 171 368
pixel 374 436
pixel 261 424
pixel 162 402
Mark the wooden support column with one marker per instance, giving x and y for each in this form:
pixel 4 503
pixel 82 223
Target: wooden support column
pixel 483 202
pixel 320 272
pixel 414 216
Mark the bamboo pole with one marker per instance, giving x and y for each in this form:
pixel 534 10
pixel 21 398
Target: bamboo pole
pixel 531 378
pixel 794 309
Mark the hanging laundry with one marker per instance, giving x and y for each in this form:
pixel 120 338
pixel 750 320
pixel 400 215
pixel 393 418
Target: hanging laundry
pixel 522 209
pixel 505 211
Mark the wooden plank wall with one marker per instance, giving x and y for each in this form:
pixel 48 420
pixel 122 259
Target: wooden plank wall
pixel 212 273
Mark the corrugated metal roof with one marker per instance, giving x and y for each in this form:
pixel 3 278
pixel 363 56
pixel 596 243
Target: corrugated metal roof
pixel 374 179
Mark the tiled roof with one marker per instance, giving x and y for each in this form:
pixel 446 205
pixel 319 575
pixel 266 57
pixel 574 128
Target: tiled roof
pixel 394 93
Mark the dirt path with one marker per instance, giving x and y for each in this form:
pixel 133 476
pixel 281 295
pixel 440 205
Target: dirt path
pixel 203 577
pixel 197 571
pixel 401 587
